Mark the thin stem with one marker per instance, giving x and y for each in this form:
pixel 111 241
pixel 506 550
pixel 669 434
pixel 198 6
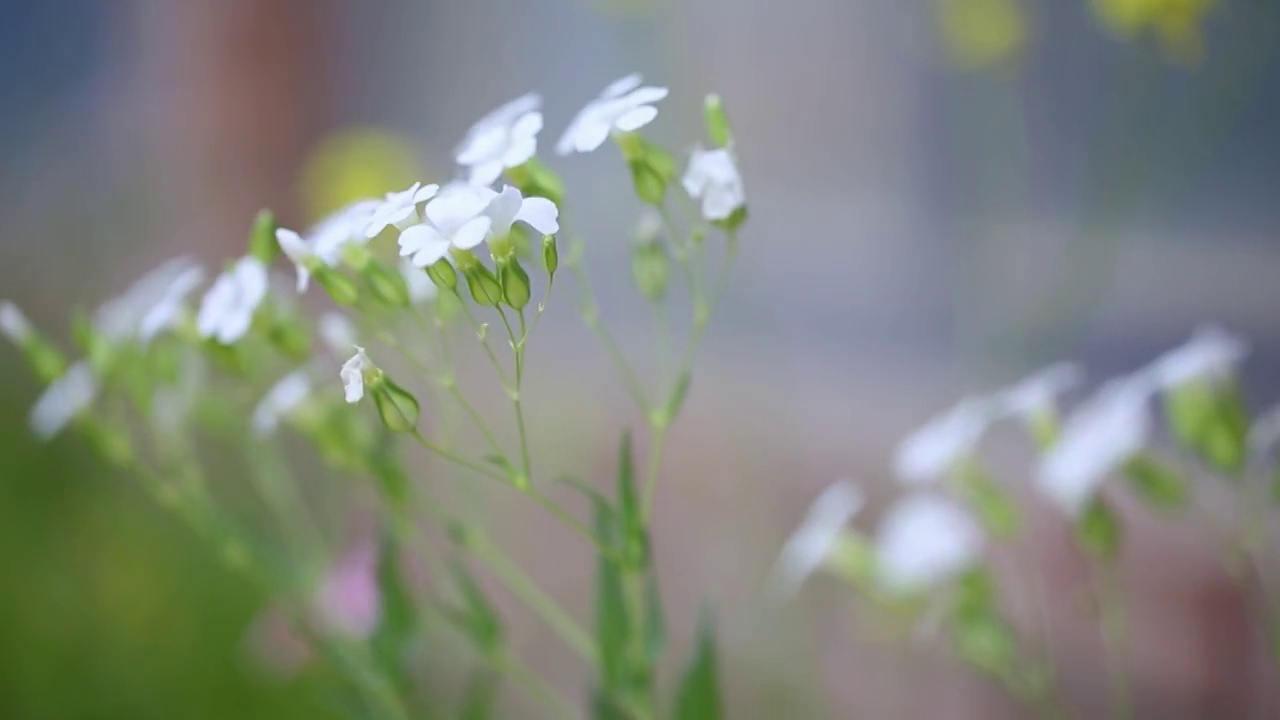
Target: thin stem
pixel 652 468
pixel 517 348
pixel 458 459
pixel 482 337
pixel 520 673
pixel 590 312
pixel 568 519
pixel 1115 638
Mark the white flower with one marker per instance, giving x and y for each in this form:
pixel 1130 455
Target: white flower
pixel 1211 354
pixel 713 177
pixel 337 331
pixel 505 138
pixel 281 400
pixel 623 106
pixel 399 209
pixel 13 323
pixel 1103 433
pixel 227 310
pixel 455 218
pixel 932 451
pixel 1037 394
pixel 924 541
pixel 171 404
pixel 809 545
pixel 352 374
pixel 63 400
pixel 326 239
pixel 508 206
pixel 150 298
pixel 169 309
pixel 421 289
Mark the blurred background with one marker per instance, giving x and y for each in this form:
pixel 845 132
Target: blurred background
pixel 944 195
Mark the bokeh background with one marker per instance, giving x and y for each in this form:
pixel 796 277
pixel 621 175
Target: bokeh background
pixel 945 195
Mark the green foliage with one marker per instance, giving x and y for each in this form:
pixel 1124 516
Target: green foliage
pixel 397 407
pixel 476 616
pixel 397 623
pixel 1098 531
pixel 1156 483
pixel 699 694
pixel 262 239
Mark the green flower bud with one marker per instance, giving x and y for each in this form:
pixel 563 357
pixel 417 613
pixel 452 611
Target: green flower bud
pixel 550 255
pixel 717 122
pixel 443 274
pixel 1210 419
pixel 853 558
pixel 535 179
pixel 386 285
pixel 1098 531
pixel 515 283
pixel 339 287
pixel 1158 484
pixel 994 506
pixel 650 187
pixel 650 269
pixel 484 285
pixel 397 407
pixel 262 239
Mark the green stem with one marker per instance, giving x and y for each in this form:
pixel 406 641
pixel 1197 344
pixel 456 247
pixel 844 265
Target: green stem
pixel 517 348
pixel 458 459
pixel 482 337
pixel 1115 638
pixel 590 311
pixel 557 706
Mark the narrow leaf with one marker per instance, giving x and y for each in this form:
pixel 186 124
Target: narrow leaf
pixel 480 698
pixel 699 694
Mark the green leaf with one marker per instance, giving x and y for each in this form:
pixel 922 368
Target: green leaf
pixel 699 694
pixel 994 506
pixel 655 622
pixel 631 520
pixel 480 698
pixel 613 626
pixel 678 395
pixel 477 617
pixel 1158 484
pixel 1098 530
pixel 605 707
pixel 397 624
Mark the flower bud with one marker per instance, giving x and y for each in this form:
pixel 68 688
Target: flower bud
pixel 1210 420
pixel 515 283
pixel 484 286
pixel 339 287
pixel 717 122
pixel 649 269
pixel 386 285
pixel 1098 531
pixel 535 179
pixel 262 239
pixel 443 274
pixel 1158 484
pixel 396 406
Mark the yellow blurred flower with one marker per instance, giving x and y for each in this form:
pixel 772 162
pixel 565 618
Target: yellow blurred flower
pixel 1175 22
pixel 982 33
pixel 356 163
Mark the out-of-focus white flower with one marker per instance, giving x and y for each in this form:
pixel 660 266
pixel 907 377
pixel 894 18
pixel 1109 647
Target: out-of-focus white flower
pixel 337 331
pixel 1038 393
pixel 151 296
pixel 227 310
pixel 281 400
pixel 13 323
pixel 421 289
pixel 399 209
pixel 1096 440
pixel 505 138
pixel 931 452
pixel 809 545
pixel 169 309
pixel 455 218
pixel 508 206
pixel 326 239
pixel 352 375
pixel 1211 354
pixel 348 602
pixel 623 106
pixel 300 253
pixel 924 541
pixel 712 176
pixel 63 400
pixel 171 404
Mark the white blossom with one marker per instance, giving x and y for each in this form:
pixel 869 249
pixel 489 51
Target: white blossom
pixel 932 451
pixel 151 297
pixel 455 218
pixel 399 209
pixel 326 239
pixel 227 310
pixel 352 374
pixel 623 106
pixel 1210 355
pixel 172 403
pixel 1038 393
pixel 712 176
pixel 811 543
pixel 925 540
pixel 508 206
pixel 282 399
pixel 421 289
pixel 1096 440
pixel 13 323
pixel 505 138
pixel 63 400
pixel 337 331
pixel 169 309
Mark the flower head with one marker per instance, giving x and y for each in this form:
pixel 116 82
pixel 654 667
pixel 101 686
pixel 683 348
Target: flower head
pixel 281 400
pixel 1211 354
pixel 154 299
pixel 1104 432
pixel 171 305
pixel 455 218
pixel 623 106
pixel 505 138
pixel 924 541
pixel 13 323
pixel 1038 393
pixel 421 289
pixel 930 452
pixel 399 209
pixel 349 602
pixel 508 206
pixel 63 400
pixel 713 177
pixel 228 308
pixel 353 375
pixel 326 239
pixel 810 544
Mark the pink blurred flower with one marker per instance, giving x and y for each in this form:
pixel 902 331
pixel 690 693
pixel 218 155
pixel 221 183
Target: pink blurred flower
pixel 348 602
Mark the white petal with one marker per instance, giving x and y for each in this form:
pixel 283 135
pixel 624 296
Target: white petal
pixel 425 193
pixel 63 400
pixel 503 209
pixel 636 118
pixel 421 288
pixel 424 243
pixel 932 451
pixel 486 173
pixel 471 234
pixel 924 541
pixel 450 210
pixel 622 85
pixel 1038 392
pixel 352 375
pixel 541 214
pixel 519 152
pixel 591 135
pixel 13 323
pixel 1210 354
pixel 293 246
pixel 645 96
pixel 809 545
